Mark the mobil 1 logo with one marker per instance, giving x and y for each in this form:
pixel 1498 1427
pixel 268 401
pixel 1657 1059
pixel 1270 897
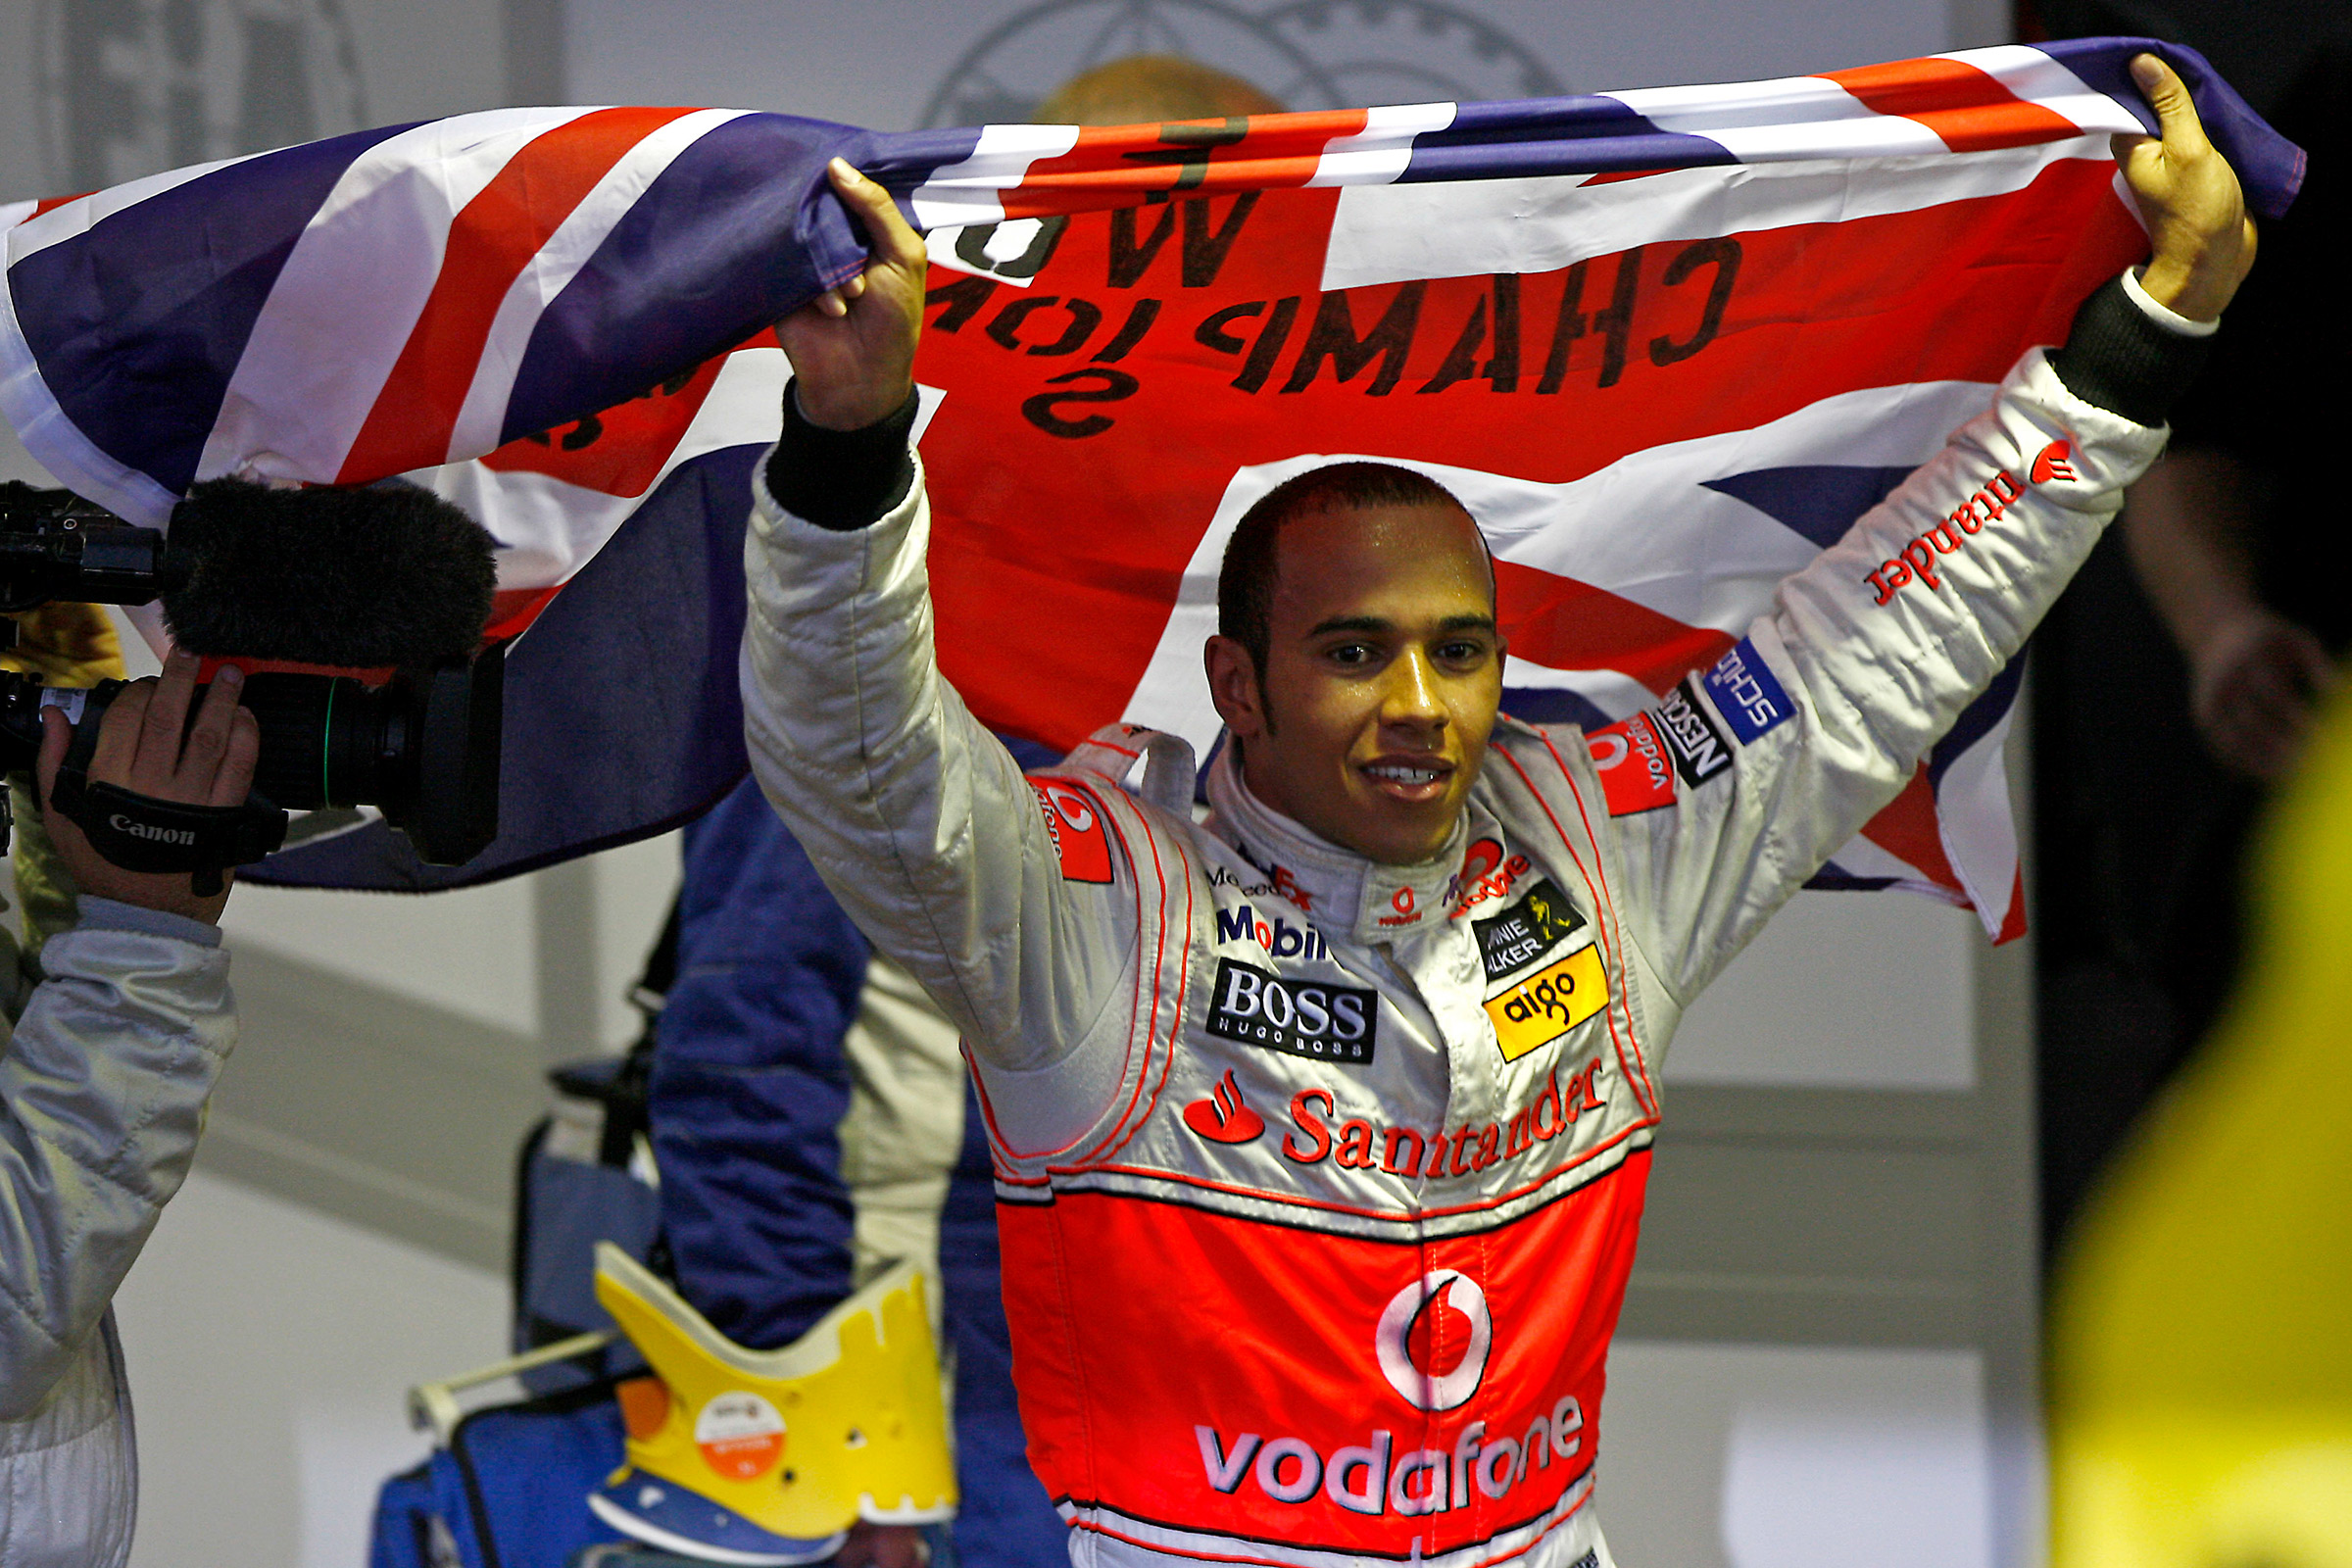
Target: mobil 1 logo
pixel 1699 749
pixel 1308 1018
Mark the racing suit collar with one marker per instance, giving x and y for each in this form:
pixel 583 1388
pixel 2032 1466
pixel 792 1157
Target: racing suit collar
pixel 1337 889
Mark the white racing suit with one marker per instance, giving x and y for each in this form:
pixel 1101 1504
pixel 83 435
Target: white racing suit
pixel 1319 1180
pixel 102 1089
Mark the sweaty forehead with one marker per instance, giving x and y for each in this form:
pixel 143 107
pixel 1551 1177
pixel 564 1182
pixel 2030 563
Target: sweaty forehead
pixel 1390 561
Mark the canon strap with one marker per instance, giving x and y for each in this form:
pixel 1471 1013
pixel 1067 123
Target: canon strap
pixel 140 833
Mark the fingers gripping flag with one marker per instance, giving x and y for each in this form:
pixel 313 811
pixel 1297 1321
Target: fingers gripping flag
pixel 1666 344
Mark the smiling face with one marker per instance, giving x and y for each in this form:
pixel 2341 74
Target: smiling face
pixel 1382 675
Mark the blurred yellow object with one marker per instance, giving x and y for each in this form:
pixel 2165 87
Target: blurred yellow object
pixel 779 1451
pixel 2201 1337
pixel 66 645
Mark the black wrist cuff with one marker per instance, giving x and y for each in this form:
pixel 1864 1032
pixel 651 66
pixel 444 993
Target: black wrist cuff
pixel 2120 359
pixel 842 479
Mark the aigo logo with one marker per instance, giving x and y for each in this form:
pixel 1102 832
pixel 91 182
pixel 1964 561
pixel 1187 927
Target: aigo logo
pixel 1415 1338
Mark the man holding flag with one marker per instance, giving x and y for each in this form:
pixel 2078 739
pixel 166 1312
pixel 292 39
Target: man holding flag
pixel 1321 1126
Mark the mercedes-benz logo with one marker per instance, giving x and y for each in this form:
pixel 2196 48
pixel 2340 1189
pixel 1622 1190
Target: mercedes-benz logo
pixel 135 86
pixel 1308 53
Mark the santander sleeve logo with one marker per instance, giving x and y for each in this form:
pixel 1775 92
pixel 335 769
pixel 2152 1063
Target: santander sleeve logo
pixel 1433 1338
pixel 2052 463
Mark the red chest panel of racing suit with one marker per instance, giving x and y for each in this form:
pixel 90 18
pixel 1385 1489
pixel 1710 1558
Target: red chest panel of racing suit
pixel 1338 1273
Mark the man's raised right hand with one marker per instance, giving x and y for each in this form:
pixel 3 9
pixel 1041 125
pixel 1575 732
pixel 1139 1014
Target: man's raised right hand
pixel 853 347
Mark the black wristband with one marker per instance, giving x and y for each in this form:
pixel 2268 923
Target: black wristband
pixel 842 479
pixel 2120 359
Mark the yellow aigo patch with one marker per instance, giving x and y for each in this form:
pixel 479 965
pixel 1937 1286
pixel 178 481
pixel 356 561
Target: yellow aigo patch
pixel 1544 1006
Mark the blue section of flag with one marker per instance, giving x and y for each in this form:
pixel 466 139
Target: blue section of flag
pixel 739 229
pixel 1819 501
pixel 1976 719
pixel 1552 704
pixel 1746 693
pixel 137 323
pixel 1541 135
pixel 2270 168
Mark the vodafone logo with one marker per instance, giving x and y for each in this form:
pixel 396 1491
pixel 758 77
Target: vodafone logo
pixel 1075 811
pixel 1433 1338
pixel 1074 822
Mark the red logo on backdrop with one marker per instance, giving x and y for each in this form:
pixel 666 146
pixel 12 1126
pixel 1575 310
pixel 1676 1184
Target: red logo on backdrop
pixel 1223 1117
pixel 1433 1338
pixel 1634 773
pixel 1074 822
pixel 2052 463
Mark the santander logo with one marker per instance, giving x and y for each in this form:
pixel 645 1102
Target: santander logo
pixel 1223 1117
pixel 2051 464
pixel 1433 1338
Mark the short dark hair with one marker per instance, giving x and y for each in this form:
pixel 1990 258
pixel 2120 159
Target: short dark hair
pixel 1246 579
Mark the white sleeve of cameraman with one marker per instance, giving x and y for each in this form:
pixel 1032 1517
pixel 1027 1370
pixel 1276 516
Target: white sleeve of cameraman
pixel 102 1094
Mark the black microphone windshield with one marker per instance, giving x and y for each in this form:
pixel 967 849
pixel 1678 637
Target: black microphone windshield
pixel 387 574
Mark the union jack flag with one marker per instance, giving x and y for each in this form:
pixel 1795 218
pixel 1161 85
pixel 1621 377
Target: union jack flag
pixel 1667 344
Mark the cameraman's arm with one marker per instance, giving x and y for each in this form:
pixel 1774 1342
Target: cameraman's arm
pixel 102 1087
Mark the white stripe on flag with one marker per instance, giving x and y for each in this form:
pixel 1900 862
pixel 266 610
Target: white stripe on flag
pixel 2036 77
pixel 1790 117
pixel 1380 152
pixel 14 213
pixel 1862 858
pixel 1613 692
pixel 1386 234
pixel 967 192
pixel 1980 835
pixel 349 295
pixel 567 250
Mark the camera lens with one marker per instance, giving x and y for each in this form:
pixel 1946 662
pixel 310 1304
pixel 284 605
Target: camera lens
pixel 331 740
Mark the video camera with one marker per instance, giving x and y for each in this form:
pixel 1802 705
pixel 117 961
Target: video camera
pixel 422 747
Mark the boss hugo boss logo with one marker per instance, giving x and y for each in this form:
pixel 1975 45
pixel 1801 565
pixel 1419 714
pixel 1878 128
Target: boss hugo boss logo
pixel 147 830
pixel 1697 746
pixel 1526 931
pixel 1310 1018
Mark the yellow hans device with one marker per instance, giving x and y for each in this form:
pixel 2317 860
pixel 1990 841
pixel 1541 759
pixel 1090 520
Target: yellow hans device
pixel 768 1456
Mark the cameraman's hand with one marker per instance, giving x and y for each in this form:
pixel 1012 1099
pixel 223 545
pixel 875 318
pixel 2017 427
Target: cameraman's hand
pixel 853 347
pixel 141 748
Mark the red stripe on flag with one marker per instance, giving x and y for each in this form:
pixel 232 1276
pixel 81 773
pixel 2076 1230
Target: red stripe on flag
pixel 2012 924
pixel 512 610
pixel 1561 623
pixel 1971 110
pixel 490 243
pixel 1907 829
pixel 51 203
pixel 1252 152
